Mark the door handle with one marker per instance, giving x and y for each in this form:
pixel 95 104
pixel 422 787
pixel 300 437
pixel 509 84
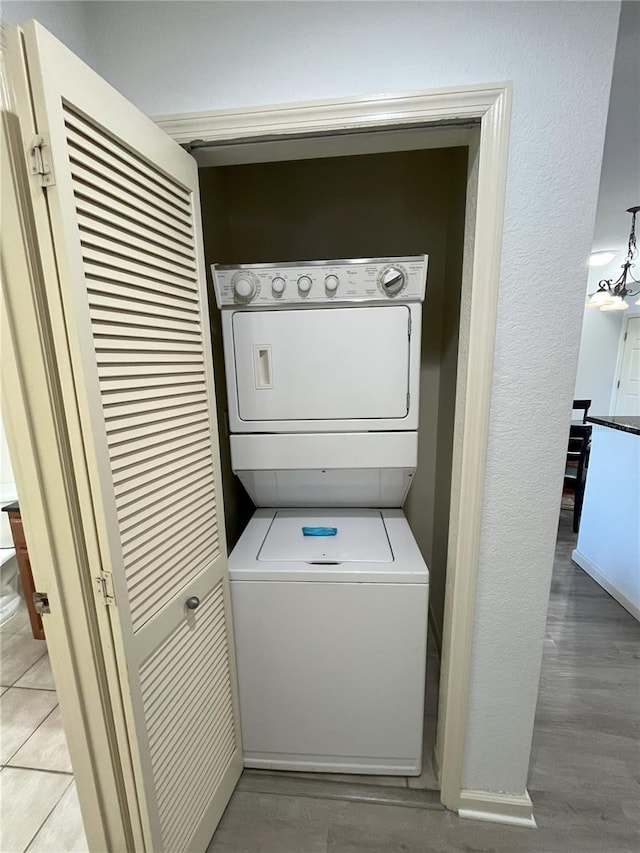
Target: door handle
pixel 192 602
pixel 262 367
pixel 319 531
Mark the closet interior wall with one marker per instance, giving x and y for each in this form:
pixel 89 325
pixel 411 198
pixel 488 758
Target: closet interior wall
pixel 374 205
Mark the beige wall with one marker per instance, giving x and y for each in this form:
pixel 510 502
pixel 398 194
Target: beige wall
pixel 401 203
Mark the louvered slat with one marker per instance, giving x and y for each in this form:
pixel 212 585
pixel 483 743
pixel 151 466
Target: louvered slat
pixel 136 320
pixel 113 210
pixel 153 419
pixel 157 537
pixel 127 255
pixel 145 169
pixel 108 295
pixel 117 411
pixel 163 487
pixel 139 257
pixel 132 513
pixel 130 489
pixel 122 394
pixel 188 768
pixel 104 265
pixel 138 471
pixel 174 689
pixel 156 526
pixel 91 185
pixel 171 793
pixel 97 197
pixel 123 463
pixel 191 804
pixel 187 559
pixel 145 241
pixel 106 280
pixel 132 440
pixel 100 152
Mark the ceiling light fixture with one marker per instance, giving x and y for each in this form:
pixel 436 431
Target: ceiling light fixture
pixel 610 295
pixel 599 259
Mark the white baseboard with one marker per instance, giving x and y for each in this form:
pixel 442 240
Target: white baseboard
pixel 594 572
pixel 513 809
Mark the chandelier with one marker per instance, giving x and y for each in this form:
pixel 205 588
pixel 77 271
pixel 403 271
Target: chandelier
pixel 610 295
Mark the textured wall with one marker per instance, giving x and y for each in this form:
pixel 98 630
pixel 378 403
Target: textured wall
pixel 173 57
pixel 68 21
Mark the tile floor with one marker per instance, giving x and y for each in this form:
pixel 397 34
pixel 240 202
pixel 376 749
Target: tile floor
pixel 39 805
pixel 584 777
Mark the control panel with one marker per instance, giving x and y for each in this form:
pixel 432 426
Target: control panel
pixel 362 280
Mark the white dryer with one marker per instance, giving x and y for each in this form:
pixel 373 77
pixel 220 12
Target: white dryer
pixel 328 587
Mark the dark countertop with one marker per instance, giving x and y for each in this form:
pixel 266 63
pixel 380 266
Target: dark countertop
pixel 626 423
pixel 14 507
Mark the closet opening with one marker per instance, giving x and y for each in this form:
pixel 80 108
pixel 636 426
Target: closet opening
pixel 384 194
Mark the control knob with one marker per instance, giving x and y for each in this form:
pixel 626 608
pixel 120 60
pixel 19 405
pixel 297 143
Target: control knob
pixel 244 288
pixel 278 285
pixel 331 283
pixel 393 279
pixel 304 284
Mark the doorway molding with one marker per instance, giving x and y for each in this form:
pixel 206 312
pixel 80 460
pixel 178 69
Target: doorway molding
pixel 489 107
pixel 624 331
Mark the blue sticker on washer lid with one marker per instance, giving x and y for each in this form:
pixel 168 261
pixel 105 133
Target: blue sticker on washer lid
pixel 319 531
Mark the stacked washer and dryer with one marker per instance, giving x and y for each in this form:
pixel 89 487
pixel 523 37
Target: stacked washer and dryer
pixel 329 590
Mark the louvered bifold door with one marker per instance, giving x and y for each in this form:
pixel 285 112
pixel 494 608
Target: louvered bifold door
pixel 124 220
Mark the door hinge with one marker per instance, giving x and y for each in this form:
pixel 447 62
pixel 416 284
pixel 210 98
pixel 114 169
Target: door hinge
pixel 40 159
pixel 409 325
pixel 41 602
pixel 105 587
pixel 408 402
pixel 625 336
pixel 618 384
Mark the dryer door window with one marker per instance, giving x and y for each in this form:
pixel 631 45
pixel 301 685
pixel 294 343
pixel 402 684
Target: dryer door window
pixel 319 364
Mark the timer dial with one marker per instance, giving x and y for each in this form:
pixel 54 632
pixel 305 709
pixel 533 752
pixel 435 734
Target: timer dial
pixel 245 286
pixel 331 283
pixel 304 284
pixel 392 280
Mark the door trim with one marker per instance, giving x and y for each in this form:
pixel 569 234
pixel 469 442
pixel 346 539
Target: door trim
pixel 488 106
pixel 624 330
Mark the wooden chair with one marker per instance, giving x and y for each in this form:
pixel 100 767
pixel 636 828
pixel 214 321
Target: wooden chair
pixel 583 406
pixel 575 473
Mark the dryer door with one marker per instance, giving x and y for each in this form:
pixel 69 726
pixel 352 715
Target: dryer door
pixel 322 365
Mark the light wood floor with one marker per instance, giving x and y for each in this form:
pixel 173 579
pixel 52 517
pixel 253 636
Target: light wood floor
pixel 585 767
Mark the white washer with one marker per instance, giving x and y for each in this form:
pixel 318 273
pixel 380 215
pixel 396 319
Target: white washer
pixel 330 634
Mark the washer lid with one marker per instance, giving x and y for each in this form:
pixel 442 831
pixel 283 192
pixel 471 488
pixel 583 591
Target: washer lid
pixel 308 537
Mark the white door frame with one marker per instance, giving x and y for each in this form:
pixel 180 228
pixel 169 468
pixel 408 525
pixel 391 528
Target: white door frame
pixel 489 105
pixel 619 360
